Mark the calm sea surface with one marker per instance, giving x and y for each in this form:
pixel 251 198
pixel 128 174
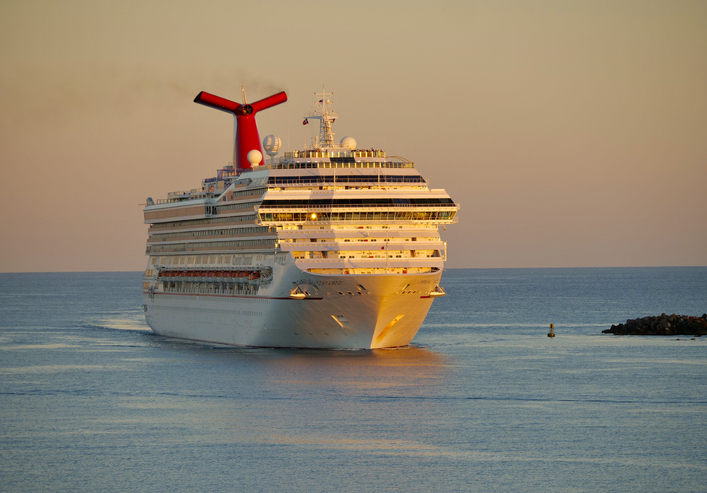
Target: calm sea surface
pixel 91 400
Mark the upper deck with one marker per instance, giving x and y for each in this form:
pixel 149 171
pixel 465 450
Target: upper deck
pixel 327 182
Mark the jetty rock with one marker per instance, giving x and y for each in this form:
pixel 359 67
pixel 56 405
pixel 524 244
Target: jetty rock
pixel 662 325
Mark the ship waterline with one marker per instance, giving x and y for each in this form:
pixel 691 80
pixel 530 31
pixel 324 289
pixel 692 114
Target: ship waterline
pixel 328 247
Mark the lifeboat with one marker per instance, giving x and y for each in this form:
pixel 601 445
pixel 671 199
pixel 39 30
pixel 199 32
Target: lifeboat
pixel 254 277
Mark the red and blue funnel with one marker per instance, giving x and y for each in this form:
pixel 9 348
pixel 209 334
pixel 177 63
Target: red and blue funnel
pixel 247 138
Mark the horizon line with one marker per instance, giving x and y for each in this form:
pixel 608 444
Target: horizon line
pixel 445 269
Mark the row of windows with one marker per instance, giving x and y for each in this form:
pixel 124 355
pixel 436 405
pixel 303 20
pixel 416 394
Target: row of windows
pixel 379 202
pixel 243 205
pixel 252 191
pixel 197 222
pixel 213 259
pixel 396 164
pixel 209 288
pixel 212 232
pixel 357 240
pixel 189 247
pixel 307 180
pixel 367 254
pixel 379 270
pixel 348 156
pixel 357 216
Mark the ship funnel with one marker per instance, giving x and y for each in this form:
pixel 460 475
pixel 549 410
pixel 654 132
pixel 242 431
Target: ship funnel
pixel 247 138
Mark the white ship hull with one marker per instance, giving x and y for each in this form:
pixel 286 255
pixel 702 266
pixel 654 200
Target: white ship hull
pixel 382 315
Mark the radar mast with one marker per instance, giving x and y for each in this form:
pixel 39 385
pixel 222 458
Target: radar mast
pixel 326 117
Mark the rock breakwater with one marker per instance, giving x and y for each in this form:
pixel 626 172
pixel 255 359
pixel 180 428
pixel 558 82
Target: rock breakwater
pixel 663 325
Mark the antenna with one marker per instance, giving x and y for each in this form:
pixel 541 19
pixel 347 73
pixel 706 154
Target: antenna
pixel 326 117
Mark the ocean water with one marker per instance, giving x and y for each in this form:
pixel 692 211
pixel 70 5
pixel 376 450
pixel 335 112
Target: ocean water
pixel 91 400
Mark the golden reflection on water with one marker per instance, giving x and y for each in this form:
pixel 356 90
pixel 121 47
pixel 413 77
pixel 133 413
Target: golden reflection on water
pixel 379 368
pixel 124 324
pixel 418 449
pixel 57 369
pixel 349 385
pixel 36 346
pixel 392 447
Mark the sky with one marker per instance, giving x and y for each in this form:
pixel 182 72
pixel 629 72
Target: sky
pixel 572 133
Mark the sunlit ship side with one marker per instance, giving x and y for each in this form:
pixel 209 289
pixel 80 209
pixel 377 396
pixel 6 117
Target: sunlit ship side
pixel 328 247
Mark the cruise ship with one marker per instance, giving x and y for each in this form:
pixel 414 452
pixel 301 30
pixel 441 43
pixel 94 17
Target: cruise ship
pixel 331 246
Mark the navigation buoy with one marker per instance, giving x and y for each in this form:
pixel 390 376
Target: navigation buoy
pixel 551 333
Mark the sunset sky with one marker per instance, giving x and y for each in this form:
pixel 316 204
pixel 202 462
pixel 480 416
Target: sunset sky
pixel 572 133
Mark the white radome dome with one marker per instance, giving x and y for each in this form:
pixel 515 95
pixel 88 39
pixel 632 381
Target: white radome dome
pixel 349 142
pixel 272 144
pixel 254 157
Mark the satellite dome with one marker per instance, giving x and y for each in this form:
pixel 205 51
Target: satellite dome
pixel 272 144
pixel 349 142
pixel 254 157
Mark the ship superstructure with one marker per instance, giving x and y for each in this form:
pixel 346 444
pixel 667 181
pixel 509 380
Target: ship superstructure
pixel 328 247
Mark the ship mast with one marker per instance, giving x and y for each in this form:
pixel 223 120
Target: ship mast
pixel 326 117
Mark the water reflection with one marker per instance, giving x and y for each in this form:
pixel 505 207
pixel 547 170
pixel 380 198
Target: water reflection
pixel 363 370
